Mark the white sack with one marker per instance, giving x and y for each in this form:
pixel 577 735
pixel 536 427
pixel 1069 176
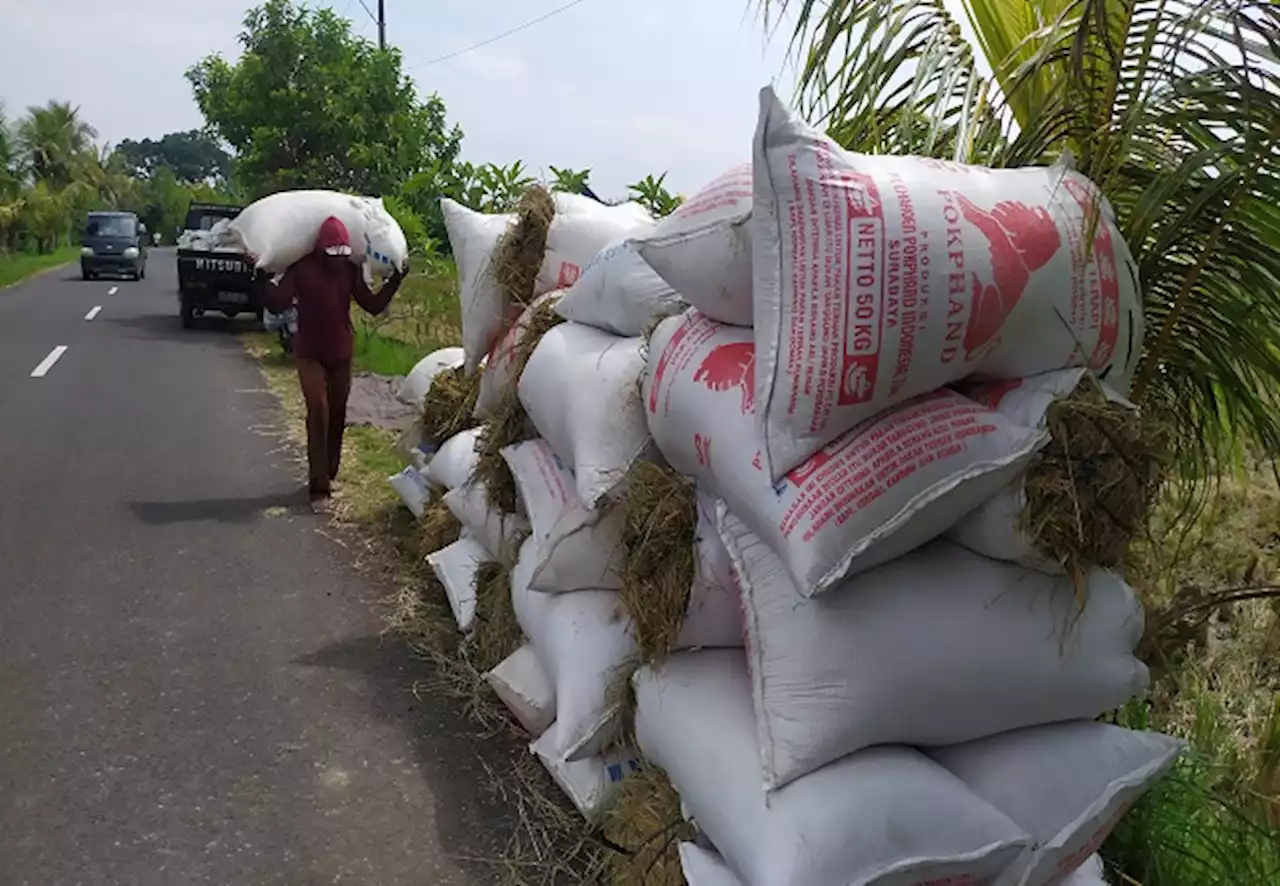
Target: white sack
pixel 473 236
pixel 1067 784
pixel 522 685
pixel 583 639
pixel 412 488
pixel 417 384
pixel 702 867
pixel 878 278
pixel 714 617
pixel 590 784
pixel 280 229
pixel 497 532
pixel 703 249
pixel 581 391
pixel 575 549
pixel 581 228
pixel 886 816
pixel 619 293
pixel 1091 873
pixel 939 647
pixel 457 566
pixel 455 460
pixel 877 492
pixel 994 529
pixel 500 370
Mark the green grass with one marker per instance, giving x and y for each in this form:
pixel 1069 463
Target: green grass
pixel 422 318
pixel 18 266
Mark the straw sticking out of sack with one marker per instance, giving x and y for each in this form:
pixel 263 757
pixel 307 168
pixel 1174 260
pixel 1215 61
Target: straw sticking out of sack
pixel 659 537
pixel 509 424
pixel 521 249
pixel 497 633
pixel 1090 491
pixel 448 406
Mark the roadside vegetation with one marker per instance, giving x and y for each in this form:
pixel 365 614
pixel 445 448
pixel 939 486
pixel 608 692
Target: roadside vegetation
pixel 15 267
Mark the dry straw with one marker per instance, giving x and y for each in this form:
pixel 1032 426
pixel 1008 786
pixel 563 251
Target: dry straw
pixel 497 633
pixel 645 825
pixel 448 406
pixel 508 424
pixel 1091 490
pixel 519 254
pixel 659 537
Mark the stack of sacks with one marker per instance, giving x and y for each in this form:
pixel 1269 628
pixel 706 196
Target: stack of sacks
pixel 578 229
pixel 216 239
pixel 872 350
pixel 457 566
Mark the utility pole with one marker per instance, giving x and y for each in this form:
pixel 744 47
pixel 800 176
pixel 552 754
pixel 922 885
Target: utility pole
pixel 382 25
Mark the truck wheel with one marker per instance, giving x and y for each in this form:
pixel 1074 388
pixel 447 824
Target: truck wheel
pixel 188 312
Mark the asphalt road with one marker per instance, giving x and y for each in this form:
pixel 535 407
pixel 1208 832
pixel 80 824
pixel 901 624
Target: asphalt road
pixel 192 685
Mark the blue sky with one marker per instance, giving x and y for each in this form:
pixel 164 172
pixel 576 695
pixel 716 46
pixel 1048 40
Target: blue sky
pixel 625 87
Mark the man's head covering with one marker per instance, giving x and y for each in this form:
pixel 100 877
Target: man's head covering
pixel 333 238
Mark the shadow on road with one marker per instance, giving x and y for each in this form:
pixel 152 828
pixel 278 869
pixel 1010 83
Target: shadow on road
pixel 167 327
pixel 220 510
pixel 473 821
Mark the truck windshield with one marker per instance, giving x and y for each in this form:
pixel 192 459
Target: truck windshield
pixel 110 226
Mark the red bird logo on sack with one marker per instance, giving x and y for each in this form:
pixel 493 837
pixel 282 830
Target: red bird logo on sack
pixel 728 367
pixel 1022 240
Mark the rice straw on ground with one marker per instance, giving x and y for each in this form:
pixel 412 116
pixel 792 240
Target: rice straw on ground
pixel 644 819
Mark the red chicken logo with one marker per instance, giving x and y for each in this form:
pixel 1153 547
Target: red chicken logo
pixel 1022 240
pixel 731 366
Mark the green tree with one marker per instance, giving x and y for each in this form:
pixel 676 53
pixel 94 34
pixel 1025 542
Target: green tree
pixel 192 156
pixel 51 140
pixel 309 104
pixel 572 181
pixel 652 194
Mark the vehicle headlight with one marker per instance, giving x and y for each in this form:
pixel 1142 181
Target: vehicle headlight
pixel 131 252
pixel 86 250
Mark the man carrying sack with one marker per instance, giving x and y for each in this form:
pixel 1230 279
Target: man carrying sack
pixel 323 285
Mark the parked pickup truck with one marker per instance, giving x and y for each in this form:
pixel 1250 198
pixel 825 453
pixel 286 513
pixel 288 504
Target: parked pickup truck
pixel 213 276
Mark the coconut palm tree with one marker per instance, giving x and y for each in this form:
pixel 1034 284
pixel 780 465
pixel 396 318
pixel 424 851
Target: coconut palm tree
pixel 1171 106
pixel 51 139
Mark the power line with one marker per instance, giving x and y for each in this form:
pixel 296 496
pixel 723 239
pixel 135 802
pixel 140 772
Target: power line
pixel 495 39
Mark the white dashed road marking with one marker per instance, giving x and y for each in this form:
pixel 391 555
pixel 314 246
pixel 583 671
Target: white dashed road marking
pixel 47 363
pixel 112 290
pixel 93 313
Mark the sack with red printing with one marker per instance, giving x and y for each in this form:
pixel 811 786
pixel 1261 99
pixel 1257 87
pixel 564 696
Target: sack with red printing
pixel 573 548
pixel 473 237
pixel 580 228
pixel 1066 784
pixel 878 278
pixel 703 249
pixel 996 528
pixel 877 492
pixel 501 371
pixel 938 647
pixel 580 389
pixel 619 293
